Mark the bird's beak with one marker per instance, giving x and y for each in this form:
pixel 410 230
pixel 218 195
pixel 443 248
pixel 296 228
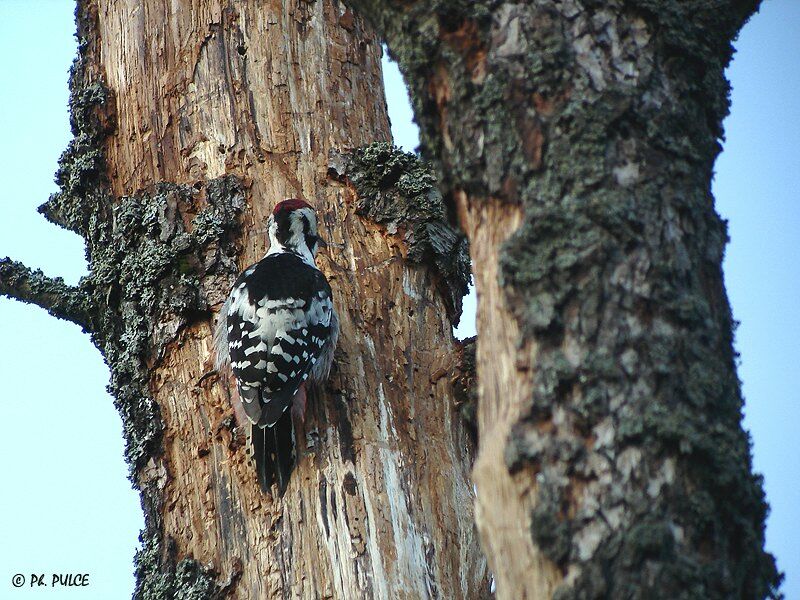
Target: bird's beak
pixel 322 243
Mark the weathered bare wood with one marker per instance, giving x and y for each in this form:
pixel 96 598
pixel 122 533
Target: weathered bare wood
pixel 171 97
pixel 524 571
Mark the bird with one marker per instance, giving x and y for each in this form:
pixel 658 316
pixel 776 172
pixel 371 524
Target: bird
pixel 278 330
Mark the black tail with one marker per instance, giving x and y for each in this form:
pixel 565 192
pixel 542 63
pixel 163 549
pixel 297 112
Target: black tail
pixel 273 451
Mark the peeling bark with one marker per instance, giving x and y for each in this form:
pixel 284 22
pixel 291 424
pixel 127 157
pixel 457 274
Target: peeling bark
pixel 576 141
pixel 191 120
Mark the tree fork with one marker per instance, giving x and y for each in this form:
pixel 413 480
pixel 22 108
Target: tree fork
pixel 576 141
pixel 190 122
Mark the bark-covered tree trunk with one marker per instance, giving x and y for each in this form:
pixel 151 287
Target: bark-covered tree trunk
pixel 576 141
pixel 191 120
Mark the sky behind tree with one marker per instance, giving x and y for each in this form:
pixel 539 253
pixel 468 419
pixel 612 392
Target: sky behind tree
pixel 67 505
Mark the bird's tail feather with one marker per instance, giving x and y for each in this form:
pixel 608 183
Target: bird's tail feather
pixel 274 453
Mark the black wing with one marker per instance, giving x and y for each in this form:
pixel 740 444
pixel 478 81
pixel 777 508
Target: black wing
pixel 278 321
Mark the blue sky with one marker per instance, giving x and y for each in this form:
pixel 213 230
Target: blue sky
pixel 67 505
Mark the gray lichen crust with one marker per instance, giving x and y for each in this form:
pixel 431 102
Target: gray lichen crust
pixel 398 190
pixel 34 287
pixel 158 260
pixel 602 120
pixel 182 580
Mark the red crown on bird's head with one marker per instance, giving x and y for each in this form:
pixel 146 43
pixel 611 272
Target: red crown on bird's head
pixel 289 205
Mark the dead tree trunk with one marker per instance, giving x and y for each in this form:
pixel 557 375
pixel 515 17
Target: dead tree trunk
pixel 576 141
pixel 191 120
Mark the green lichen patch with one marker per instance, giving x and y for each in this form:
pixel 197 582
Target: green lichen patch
pixel 82 164
pixel 399 191
pixel 152 276
pixel 149 276
pixel 160 577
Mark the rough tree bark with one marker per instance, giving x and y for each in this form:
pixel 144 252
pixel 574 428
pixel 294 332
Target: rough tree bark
pixel 191 120
pixel 576 141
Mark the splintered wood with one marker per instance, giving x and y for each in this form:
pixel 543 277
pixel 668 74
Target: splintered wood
pixel 380 504
pixel 505 532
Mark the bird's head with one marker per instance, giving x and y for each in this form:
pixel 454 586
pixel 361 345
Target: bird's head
pixel 293 228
